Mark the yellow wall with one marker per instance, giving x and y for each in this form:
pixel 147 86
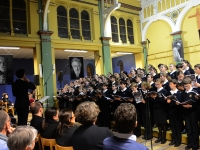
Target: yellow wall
pixel 160 48
pixel 191 38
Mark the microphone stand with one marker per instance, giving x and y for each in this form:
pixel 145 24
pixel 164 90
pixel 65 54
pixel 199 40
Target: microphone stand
pixel 45 84
pixel 148 113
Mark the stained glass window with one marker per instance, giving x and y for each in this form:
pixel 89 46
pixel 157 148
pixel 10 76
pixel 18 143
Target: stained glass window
pixel 19 16
pixel 85 21
pixel 4 16
pixel 122 29
pixel 74 23
pixel 114 28
pixel 130 31
pixel 62 22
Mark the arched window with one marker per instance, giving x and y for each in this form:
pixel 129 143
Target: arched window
pixel 114 28
pixel 19 16
pixel 4 16
pixel 90 70
pixel 62 22
pixel 122 28
pixel 74 23
pixel 85 21
pixel 130 31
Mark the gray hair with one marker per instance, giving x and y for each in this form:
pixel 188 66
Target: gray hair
pixel 76 60
pixel 22 137
pixel 3 119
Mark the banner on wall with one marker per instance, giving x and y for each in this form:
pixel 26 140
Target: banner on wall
pixel 177 47
pixel 76 67
pixel 6 69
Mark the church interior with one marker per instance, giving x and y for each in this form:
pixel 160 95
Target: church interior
pixel 110 35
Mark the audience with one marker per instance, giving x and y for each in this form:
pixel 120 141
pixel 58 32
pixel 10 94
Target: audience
pixel 125 119
pixel 66 127
pixel 5 129
pixel 22 138
pixel 89 136
pixel 37 119
pixel 50 123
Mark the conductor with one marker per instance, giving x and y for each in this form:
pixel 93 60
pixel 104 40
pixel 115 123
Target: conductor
pixel 20 91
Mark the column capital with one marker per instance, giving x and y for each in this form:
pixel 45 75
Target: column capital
pixel 105 38
pixel 176 33
pixel 45 33
pixel 144 42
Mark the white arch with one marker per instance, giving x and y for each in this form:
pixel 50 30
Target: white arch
pixel 151 20
pixel 181 16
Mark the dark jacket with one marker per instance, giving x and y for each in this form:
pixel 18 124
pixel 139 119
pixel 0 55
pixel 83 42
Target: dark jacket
pixel 20 91
pixel 90 137
pixel 66 138
pixel 50 131
pixel 36 122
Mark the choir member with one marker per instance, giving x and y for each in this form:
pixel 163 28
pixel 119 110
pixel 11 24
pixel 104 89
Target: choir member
pixel 175 114
pixel 160 117
pixel 172 68
pixel 187 66
pixel 190 114
pixel 145 111
pixel 179 67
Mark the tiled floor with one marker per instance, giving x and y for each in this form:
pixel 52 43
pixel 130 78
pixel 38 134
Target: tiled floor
pixel 158 146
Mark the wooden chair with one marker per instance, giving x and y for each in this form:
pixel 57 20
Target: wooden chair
pixel 63 148
pixel 48 142
pixel 39 142
pixel 2 106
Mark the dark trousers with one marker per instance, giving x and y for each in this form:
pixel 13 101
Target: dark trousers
pixel 137 130
pixel 175 124
pixel 22 115
pixel 191 122
pixel 146 119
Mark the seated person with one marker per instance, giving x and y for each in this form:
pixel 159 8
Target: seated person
pixel 89 136
pixel 125 120
pixel 5 99
pixel 22 138
pixel 50 123
pixel 37 119
pixel 66 127
pixel 5 129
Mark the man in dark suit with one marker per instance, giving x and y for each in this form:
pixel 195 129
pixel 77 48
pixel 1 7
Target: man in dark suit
pixel 20 91
pixel 76 71
pixel 37 111
pixel 89 136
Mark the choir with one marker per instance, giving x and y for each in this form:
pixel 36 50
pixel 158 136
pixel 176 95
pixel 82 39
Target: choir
pixel 165 99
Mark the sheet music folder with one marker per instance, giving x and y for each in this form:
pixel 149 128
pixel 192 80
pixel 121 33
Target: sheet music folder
pixel 42 100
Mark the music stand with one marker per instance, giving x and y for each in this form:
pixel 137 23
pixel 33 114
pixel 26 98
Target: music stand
pixel 42 100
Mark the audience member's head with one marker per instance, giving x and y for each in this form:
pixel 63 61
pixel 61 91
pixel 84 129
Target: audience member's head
pixel 125 118
pixel 22 138
pixel 4 122
pixel 50 114
pixel 36 109
pixel 87 112
pixel 66 119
